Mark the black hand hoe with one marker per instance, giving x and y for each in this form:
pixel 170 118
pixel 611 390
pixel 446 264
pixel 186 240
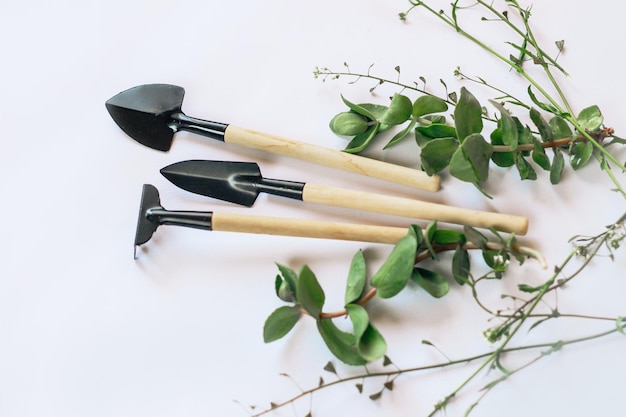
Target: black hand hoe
pixel 151 114
pixel 152 215
pixel 242 182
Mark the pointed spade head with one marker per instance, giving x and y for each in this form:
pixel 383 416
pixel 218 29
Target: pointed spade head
pixel 145 227
pixel 235 182
pixel 144 113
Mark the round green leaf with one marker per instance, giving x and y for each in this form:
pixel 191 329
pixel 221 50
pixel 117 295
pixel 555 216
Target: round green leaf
pixel 590 118
pixel 280 322
pixel 436 154
pixel 340 343
pixel 508 127
pixel 541 159
pixel 399 110
pixel 434 284
pixel 428 105
pixel 437 130
pixel 468 116
pixel 470 162
pixel 369 342
pixel 580 155
pixel 501 159
pixel 348 124
pixel 560 128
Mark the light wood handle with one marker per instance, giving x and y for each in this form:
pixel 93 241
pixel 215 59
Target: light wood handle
pixel 405 207
pixel 229 222
pixel 332 158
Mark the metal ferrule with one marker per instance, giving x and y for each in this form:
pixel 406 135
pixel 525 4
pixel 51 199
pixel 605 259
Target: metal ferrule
pixel 194 219
pixel 213 130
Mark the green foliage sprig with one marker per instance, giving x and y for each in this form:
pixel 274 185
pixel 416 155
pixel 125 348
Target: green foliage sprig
pixel 459 141
pixel 461 147
pixel 526 312
pixel 364 344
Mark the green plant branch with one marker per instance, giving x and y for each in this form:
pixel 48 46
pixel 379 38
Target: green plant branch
pixel 512 325
pixel 556 143
pixel 541 55
pixel 507 21
pixel 453 23
pixel 326 72
pixel 440 248
pixel 449 363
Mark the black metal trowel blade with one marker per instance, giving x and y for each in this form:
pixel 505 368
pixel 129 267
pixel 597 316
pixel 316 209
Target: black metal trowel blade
pixel 144 113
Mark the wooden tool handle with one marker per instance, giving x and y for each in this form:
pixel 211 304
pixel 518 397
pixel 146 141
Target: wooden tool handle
pixel 228 222
pixel 332 158
pixel 405 207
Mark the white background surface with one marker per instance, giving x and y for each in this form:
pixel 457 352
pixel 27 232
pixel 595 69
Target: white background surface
pixel 85 330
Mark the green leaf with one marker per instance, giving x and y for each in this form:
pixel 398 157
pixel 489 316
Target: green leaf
pixel 501 159
pixel 470 162
pixel 556 169
pixel 436 154
pixel 283 291
pixel 340 343
pixel 396 271
pixel 369 342
pixel 580 154
pixel 590 118
pixel 289 276
pixel 460 265
pixel 434 284
pixel 401 135
pixel 399 111
pixel 378 111
pixel 508 127
pixel 309 293
pixel 560 128
pixel 362 140
pixel 359 109
pixel 467 115
pixel 529 289
pixel 474 236
pixel 525 136
pixel 433 119
pixel 349 124
pixel 446 237
pixel 540 157
pixel 280 322
pixel 428 105
pixel 356 278
pixel 437 130
pixel 545 131
pixel 526 171
pixel 543 106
